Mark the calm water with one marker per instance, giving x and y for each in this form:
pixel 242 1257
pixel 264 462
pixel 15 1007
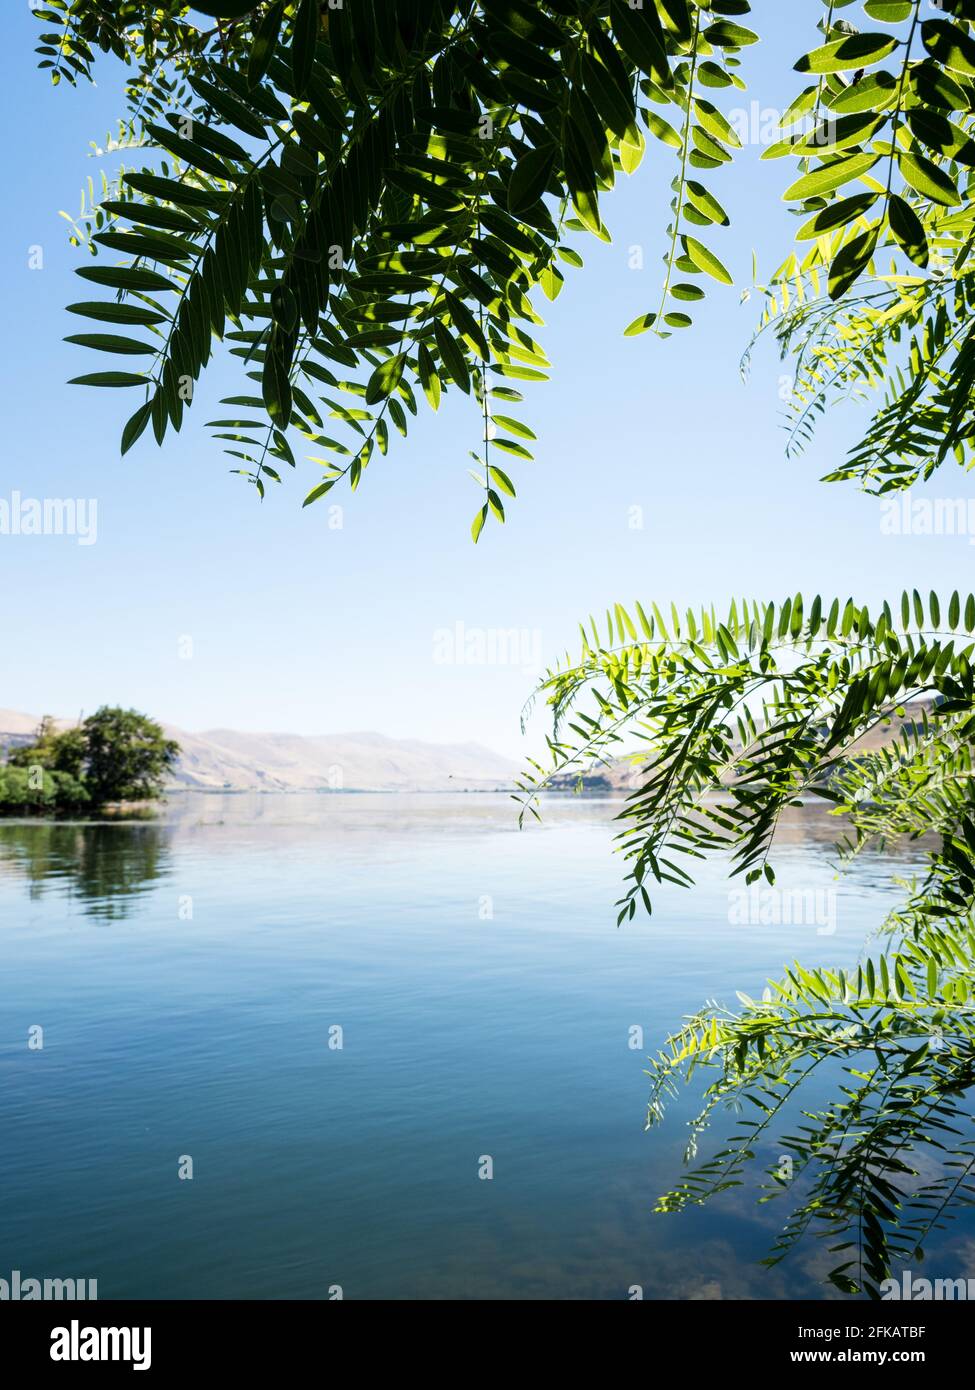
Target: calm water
pixel 189 973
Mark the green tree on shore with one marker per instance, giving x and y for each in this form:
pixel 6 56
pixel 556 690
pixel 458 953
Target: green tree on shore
pixel 114 755
pixel 127 755
pixel 55 750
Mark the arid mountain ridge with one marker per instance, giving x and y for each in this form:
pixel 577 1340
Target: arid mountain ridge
pixel 229 760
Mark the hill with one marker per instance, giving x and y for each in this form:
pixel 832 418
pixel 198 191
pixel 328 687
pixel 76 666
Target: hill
pixel 228 760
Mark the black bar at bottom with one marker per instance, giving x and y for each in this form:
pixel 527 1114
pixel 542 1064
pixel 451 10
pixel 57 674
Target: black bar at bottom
pixel 110 1337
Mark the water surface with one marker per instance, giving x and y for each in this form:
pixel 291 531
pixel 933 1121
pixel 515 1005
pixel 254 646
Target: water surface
pixel 189 974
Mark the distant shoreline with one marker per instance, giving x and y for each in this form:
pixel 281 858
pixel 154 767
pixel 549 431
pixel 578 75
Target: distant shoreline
pixel 147 812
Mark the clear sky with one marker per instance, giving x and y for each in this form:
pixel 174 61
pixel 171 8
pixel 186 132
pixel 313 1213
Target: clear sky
pixel 303 628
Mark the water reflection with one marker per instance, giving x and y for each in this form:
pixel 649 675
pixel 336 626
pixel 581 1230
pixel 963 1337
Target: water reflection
pixel 110 867
pixel 107 868
pixel 506 1031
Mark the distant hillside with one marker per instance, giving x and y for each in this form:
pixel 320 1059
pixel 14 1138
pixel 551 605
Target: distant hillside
pixel 621 776
pixel 226 760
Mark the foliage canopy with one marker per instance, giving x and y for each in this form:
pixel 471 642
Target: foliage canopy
pixel 113 755
pixel 361 201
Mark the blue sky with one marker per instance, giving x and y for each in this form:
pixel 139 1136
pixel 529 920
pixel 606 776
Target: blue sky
pixel 301 627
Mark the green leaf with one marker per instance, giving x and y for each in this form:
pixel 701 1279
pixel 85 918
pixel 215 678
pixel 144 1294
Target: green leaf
pixel 639 325
pixel 835 135
pixel 715 123
pixel 452 357
pixel 502 480
pixel 125 278
pixel 231 111
pixel 185 195
pixel 318 491
pixel 515 426
pixel 429 379
pixel 932 980
pixel 135 426
pixel 889 11
pixel 835 215
pixel 276 386
pixel 845 54
pixel 586 205
pixel 941 135
pixel 552 281
pixel 676 16
pixel 385 379
pixel 830 176
pixel 875 92
pixel 189 151
pixel 640 34
pixel 529 177
pixel 265 42
pixel 527 21
pixel 725 34
pixel 662 130
pixel 927 179
pixel 156 246
pixel 610 93
pixel 511 447
pixel 908 230
pixel 949 45
pixel 110 379
pixel 303 44
pixel 706 260
pixel 112 342
pixel 935 88
pixel 111 312
pixel 632 152
pixel 705 202
pixel 851 261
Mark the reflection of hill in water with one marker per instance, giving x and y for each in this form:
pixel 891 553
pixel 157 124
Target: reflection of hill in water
pixel 813 826
pixel 107 867
pixel 810 826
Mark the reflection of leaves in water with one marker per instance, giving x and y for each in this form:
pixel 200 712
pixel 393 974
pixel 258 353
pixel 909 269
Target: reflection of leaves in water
pixel 108 867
